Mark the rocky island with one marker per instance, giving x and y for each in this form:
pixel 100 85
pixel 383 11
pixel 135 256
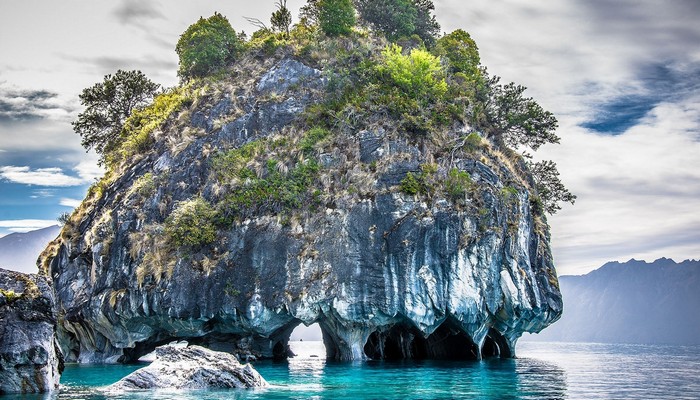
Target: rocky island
pixel 356 177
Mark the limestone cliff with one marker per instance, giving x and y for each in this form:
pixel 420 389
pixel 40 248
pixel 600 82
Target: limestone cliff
pixel 239 222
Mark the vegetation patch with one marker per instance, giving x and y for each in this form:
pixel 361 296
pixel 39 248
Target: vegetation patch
pixel 265 176
pixel 192 223
pixel 10 295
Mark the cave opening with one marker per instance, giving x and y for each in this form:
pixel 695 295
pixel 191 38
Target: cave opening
pixel 450 342
pixel 307 341
pixel 403 341
pixel 397 343
pixel 495 345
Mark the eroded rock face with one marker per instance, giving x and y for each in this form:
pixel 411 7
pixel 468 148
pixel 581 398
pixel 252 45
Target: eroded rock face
pixel 384 273
pixel 191 367
pixel 29 362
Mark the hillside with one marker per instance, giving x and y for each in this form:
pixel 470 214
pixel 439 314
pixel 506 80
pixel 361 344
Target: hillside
pixel 19 251
pixel 631 302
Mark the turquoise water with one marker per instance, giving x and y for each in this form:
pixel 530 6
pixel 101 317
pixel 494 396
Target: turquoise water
pixel 541 371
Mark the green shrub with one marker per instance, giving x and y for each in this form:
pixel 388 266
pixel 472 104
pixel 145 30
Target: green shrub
pixel 206 46
pixel 192 223
pixel 336 17
pixel 419 75
pixel 311 138
pixel 457 184
pixel 145 186
pixel 409 184
pixel 10 295
pixel 473 142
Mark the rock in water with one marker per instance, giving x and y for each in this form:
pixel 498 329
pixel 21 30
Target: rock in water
pixel 237 222
pixel 191 367
pixel 29 362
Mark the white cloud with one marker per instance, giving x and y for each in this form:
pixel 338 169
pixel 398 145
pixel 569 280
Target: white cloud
pixel 67 202
pixel 89 170
pixel 53 177
pixel 637 192
pixel 26 225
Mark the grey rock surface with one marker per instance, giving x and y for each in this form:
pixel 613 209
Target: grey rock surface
pixel 29 362
pixel 385 274
pixel 191 367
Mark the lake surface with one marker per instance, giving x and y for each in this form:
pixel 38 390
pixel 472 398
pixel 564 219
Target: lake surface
pixel 541 371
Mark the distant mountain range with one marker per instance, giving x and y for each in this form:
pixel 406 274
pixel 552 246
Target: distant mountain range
pixel 631 302
pixel 19 251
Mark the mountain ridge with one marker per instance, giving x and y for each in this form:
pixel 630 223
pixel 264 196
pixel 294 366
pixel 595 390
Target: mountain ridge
pixel 19 251
pixel 630 302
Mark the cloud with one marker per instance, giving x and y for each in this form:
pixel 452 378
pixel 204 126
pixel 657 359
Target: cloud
pixel 24 104
pixel 109 64
pixel 136 12
pixel 43 193
pixel 72 203
pixel 637 191
pixel 654 84
pixel 26 225
pixel 88 170
pixel 52 177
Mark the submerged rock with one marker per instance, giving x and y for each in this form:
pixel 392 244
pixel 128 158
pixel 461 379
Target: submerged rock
pixel 191 367
pixel 387 274
pixel 29 362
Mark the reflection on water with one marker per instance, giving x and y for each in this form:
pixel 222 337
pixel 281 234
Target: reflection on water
pixel 495 378
pixel 542 371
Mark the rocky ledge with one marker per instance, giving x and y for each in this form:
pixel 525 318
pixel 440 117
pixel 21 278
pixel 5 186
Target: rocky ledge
pixel 29 361
pixel 191 367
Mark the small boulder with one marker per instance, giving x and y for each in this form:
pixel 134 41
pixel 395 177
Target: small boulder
pixel 192 367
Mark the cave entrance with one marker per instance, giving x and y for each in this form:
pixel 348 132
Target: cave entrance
pixel 397 343
pixel 495 345
pixel 450 342
pixel 307 342
pixel 402 341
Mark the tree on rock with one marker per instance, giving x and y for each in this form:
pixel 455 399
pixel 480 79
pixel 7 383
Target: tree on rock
pixel 206 46
pixel 398 19
pixel 461 51
pixel 309 13
pixel 336 17
pixel 282 18
pixel 512 119
pixel 108 104
pixel 549 187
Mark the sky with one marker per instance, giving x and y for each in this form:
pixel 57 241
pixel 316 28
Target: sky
pixel 622 77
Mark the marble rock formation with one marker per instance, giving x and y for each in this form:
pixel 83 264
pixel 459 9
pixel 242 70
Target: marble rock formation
pixel 29 361
pixel 191 367
pixel 385 274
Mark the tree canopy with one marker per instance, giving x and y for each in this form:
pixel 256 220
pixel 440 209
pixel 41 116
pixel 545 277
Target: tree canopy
pixel 206 46
pixel 461 51
pixel 336 17
pixel 512 119
pixel 397 19
pixel 281 18
pixel 549 187
pixel 108 105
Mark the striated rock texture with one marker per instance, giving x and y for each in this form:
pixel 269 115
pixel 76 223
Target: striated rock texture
pixel 192 367
pixel 459 270
pixel 29 361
